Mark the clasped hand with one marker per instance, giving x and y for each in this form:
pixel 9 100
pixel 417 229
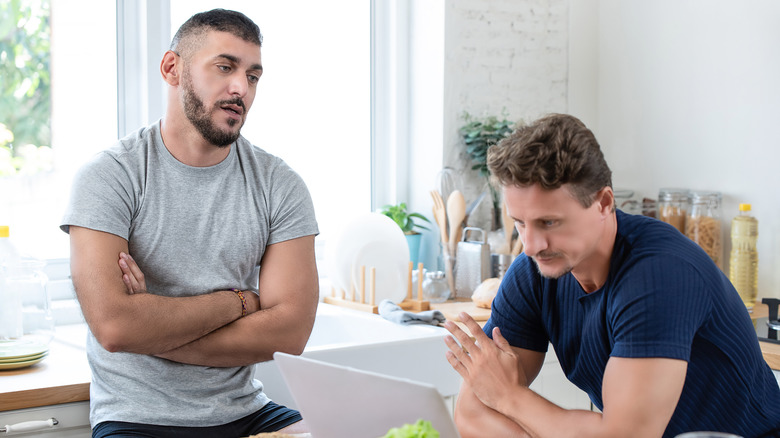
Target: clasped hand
pixel 489 366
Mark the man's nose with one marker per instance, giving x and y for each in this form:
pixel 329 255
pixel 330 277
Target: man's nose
pixel 534 241
pixel 239 84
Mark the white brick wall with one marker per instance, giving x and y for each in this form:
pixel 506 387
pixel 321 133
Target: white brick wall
pixel 501 54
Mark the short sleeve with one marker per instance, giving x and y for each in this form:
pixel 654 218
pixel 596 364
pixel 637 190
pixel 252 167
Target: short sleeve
pixel 292 210
pixel 101 198
pixel 657 308
pixel 517 308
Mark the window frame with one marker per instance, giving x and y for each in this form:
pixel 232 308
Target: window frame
pixel 143 32
pixel 143 29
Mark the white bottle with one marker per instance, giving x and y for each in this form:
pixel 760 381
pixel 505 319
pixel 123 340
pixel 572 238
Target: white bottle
pixel 11 322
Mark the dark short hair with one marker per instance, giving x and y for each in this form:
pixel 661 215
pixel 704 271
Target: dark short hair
pixel 556 150
pixel 221 20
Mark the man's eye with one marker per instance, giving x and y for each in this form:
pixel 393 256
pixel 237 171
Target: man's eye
pixel 224 68
pixel 549 223
pixel 253 79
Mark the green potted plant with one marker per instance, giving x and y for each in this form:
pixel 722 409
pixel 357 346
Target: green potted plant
pixel 479 134
pixel 406 221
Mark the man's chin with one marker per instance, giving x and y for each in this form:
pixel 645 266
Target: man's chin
pixel 226 136
pixel 222 139
pixel 551 272
pixel 235 123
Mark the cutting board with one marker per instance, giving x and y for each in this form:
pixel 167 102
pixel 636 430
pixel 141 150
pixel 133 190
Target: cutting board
pixel 451 309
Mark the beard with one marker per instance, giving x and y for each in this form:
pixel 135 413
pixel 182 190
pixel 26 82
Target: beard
pixel 197 114
pixel 555 274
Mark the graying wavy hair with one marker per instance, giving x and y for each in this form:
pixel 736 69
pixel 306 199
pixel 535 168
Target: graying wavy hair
pixel 556 150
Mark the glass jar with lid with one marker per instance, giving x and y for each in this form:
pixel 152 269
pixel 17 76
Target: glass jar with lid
pixel 435 287
pixel 26 280
pixel 673 205
pixel 703 225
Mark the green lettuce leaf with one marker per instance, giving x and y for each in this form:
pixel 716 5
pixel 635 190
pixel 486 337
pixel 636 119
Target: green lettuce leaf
pixel 420 429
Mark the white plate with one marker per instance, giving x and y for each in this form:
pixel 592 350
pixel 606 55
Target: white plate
pixel 371 239
pixel 391 270
pixel 23 358
pixel 21 364
pixel 21 348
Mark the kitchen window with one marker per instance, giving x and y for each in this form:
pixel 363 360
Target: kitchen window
pixel 79 70
pixel 58 111
pixel 313 106
pixel 313 103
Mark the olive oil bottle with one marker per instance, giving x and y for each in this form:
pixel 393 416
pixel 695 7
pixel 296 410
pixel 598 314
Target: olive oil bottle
pixel 743 263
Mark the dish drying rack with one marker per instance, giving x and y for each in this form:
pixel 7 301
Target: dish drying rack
pixel 357 297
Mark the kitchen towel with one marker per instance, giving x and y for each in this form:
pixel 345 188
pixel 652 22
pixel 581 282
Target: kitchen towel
pixel 393 312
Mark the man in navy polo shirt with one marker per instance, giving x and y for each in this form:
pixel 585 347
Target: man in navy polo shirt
pixel 639 316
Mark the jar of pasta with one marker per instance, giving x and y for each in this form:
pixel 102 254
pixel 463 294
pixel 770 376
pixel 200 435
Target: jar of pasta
pixel 703 225
pixel 673 206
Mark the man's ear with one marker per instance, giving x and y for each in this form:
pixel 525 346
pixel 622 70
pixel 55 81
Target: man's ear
pixel 169 68
pixel 606 200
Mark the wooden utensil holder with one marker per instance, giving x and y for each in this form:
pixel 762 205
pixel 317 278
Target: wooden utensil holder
pixel 357 298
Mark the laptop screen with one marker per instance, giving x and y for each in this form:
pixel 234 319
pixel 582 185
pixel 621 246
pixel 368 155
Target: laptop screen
pixel 337 401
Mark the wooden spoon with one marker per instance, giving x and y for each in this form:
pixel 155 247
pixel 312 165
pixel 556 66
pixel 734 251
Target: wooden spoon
pixel 440 216
pixel 456 212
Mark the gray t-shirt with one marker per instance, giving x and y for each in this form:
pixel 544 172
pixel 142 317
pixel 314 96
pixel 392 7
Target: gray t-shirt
pixel 192 230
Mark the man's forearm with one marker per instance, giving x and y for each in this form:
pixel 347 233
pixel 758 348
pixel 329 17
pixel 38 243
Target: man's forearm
pixel 475 420
pixel 529 415
pixel 542 418
pixel 247 340
pixel 284 323
pixel 150 324
pixel 640 396
pixel 122 316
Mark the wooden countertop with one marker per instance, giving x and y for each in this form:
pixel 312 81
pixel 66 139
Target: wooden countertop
pixel 759 311
pixel 452 308
pixel 771 351
pixel 62 377
pixel 771 354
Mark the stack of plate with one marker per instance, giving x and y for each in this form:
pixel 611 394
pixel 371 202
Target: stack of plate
pixel 19 354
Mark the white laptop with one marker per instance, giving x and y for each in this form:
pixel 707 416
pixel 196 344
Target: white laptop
pixel 339 402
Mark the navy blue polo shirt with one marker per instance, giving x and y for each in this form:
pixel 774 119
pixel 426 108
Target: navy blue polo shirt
pixel 664 297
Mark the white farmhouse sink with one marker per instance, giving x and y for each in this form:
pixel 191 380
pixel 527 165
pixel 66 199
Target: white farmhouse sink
pixel 369 342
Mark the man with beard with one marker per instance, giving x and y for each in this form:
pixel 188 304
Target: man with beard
pixel 639 316
pixel 192 253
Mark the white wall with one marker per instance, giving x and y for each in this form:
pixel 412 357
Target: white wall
pixel 500 55
pixel 678 93
pixel 482 57
pixel 687 95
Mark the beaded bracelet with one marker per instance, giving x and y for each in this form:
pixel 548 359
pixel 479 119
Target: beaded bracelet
pixel 243 301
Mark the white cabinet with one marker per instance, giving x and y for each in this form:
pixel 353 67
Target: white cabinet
pixel 553 385
pixel 46 390
pixel 72 420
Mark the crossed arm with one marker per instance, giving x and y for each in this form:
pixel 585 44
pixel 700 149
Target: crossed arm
pixel 204 329
pixel 639 395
